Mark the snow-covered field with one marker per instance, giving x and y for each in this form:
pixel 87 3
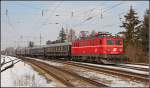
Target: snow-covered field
pixel 22 75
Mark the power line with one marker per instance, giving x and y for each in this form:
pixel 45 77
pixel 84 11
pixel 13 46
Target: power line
pixel 92 8
pixel 50 15
pixel 89 18
pixel 89 14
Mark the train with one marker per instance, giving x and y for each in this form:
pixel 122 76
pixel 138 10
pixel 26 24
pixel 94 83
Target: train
pixel 101 48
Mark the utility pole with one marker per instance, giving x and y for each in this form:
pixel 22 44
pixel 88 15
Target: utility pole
pixel 101 13
pixel 6 27
pixel 42 12
pixel 21 39
pixel 101 16
pixel 40 39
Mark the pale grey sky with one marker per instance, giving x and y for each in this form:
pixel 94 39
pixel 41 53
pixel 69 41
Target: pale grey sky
pixel 24 18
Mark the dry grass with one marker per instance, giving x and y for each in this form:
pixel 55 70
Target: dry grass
pixel 136 55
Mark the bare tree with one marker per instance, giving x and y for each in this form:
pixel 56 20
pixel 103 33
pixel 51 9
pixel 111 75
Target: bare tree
pixel 71 35
pixel 31 44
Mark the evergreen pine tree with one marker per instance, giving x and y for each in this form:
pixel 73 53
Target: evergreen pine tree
pixel 62 35
pixel 131 24
pixel 144 32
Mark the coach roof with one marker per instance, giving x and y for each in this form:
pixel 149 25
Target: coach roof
pixel 52 45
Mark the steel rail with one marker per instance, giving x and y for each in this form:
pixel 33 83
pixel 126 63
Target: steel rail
pixel 95 83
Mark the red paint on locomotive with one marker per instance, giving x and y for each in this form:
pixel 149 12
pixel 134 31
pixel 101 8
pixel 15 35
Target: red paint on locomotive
pixel 102 44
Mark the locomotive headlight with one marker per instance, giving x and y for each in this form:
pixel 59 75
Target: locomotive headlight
pixel 114 49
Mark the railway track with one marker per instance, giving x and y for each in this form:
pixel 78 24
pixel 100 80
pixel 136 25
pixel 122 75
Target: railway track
pixel 134 67
pixel 139 64
pixel 65 76
pixel 132 75
pixel 124 73
pixel 128 66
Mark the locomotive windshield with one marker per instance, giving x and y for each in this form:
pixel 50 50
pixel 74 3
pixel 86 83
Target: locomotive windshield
pixel 118 42
pixel 114 42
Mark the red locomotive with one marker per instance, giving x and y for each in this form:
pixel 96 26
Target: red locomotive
pixel 100 48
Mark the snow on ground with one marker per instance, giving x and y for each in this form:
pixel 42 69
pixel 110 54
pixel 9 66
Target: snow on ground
pixel 124 69
pixel 112 81
pixel 48 62
pixel 5 58
pixel 140 66
pixel 23 75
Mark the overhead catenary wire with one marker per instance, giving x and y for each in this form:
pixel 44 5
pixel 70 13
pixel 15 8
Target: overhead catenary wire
pixel 50 15
pixel 89 18
pixel 90 10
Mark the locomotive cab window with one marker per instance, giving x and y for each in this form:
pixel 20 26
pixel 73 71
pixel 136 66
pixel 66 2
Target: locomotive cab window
pixel 110 42
pixel 118 42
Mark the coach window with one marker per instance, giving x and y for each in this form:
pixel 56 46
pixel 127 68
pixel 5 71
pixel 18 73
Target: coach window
pixel 54 48
pixel 61 48
pixel 49 49
pixel 58 48
pixel 64 48
pixel 67 48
